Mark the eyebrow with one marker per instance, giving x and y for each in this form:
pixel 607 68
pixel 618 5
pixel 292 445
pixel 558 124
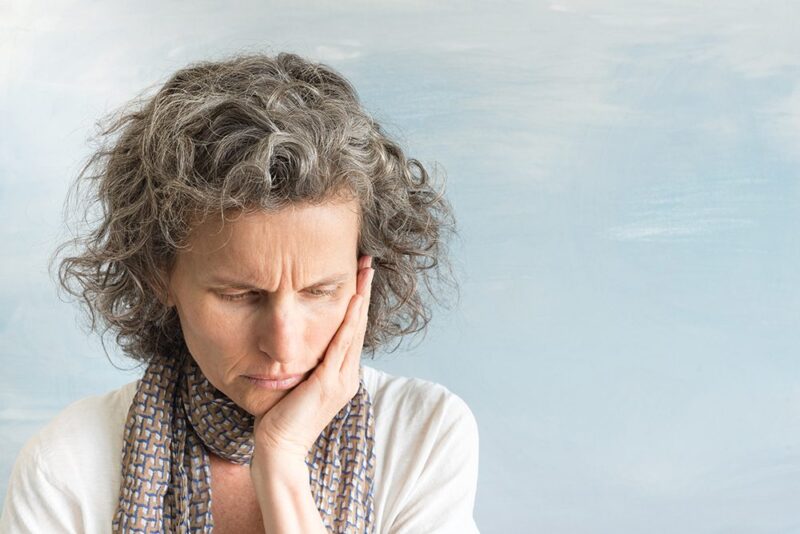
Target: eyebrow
pixel 245 284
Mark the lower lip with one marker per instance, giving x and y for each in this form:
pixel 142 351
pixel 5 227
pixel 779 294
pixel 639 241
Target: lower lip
pixel 276 384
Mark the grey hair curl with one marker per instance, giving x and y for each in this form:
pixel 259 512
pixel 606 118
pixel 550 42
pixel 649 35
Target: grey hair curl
pixel 248 133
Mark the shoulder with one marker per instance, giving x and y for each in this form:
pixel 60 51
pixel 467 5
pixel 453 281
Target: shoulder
pixel 426 441
pixel 411 394
pixel 69 468
pixel 82 430
pixel 415 401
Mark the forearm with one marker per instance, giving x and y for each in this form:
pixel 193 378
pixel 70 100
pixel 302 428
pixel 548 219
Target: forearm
pixel 284 496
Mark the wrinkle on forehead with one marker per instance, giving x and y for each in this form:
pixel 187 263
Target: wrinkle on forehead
pixel 278 249
pixel 212 227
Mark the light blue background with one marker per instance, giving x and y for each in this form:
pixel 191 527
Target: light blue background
pixel 626 182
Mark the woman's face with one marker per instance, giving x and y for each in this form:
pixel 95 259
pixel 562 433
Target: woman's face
pixel 265 296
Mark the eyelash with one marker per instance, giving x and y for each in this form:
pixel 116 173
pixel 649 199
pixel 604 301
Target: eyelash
pixel 241 296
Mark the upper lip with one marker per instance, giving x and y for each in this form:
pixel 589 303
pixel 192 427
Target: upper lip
pixel 281 377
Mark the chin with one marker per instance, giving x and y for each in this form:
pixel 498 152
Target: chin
pixel 260 402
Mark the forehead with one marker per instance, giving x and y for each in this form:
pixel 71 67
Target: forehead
pixel 299 232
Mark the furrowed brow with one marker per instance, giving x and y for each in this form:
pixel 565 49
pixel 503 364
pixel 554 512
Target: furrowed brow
pixel 331 280
pixel 223 280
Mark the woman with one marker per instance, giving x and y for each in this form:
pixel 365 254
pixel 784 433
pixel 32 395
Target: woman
pixel 258 231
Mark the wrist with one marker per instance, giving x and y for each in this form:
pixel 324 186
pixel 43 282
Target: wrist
pixel 273 471
pixel 278 458
pixel 283 491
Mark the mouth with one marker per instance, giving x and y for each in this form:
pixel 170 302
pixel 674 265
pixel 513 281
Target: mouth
pixel 279 383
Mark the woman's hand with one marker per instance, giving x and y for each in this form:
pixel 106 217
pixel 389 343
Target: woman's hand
pixel 289 429
pixel 284 434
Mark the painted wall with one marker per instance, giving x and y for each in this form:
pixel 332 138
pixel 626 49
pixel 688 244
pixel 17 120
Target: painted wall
pixel 625 177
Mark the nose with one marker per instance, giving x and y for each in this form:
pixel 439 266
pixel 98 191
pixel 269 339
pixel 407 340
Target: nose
pixel 280 329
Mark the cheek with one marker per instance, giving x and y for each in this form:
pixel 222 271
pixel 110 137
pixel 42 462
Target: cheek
pixel 213 329
pixel 325 320
pixel 210 327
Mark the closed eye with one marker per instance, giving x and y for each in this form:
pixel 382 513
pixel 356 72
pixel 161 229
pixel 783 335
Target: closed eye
pixel 313 292
pixel 322 292
pixel 237 296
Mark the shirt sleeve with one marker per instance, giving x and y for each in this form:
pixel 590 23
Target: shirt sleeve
pixel 443 497
pixel 34 503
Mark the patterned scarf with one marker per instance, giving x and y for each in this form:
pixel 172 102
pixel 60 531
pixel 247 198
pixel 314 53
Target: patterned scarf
pixel 177 416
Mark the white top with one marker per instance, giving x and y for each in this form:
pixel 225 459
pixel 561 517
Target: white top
pixel 67 477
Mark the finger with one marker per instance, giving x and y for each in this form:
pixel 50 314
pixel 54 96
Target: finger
pixel 364 262
pixel 353 357
pixel 362 288
pixel 337 348
pixel 365 290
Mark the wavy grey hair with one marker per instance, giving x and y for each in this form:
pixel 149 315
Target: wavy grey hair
pixel 252 132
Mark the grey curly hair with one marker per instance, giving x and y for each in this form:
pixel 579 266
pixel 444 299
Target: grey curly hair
pixel 252 132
